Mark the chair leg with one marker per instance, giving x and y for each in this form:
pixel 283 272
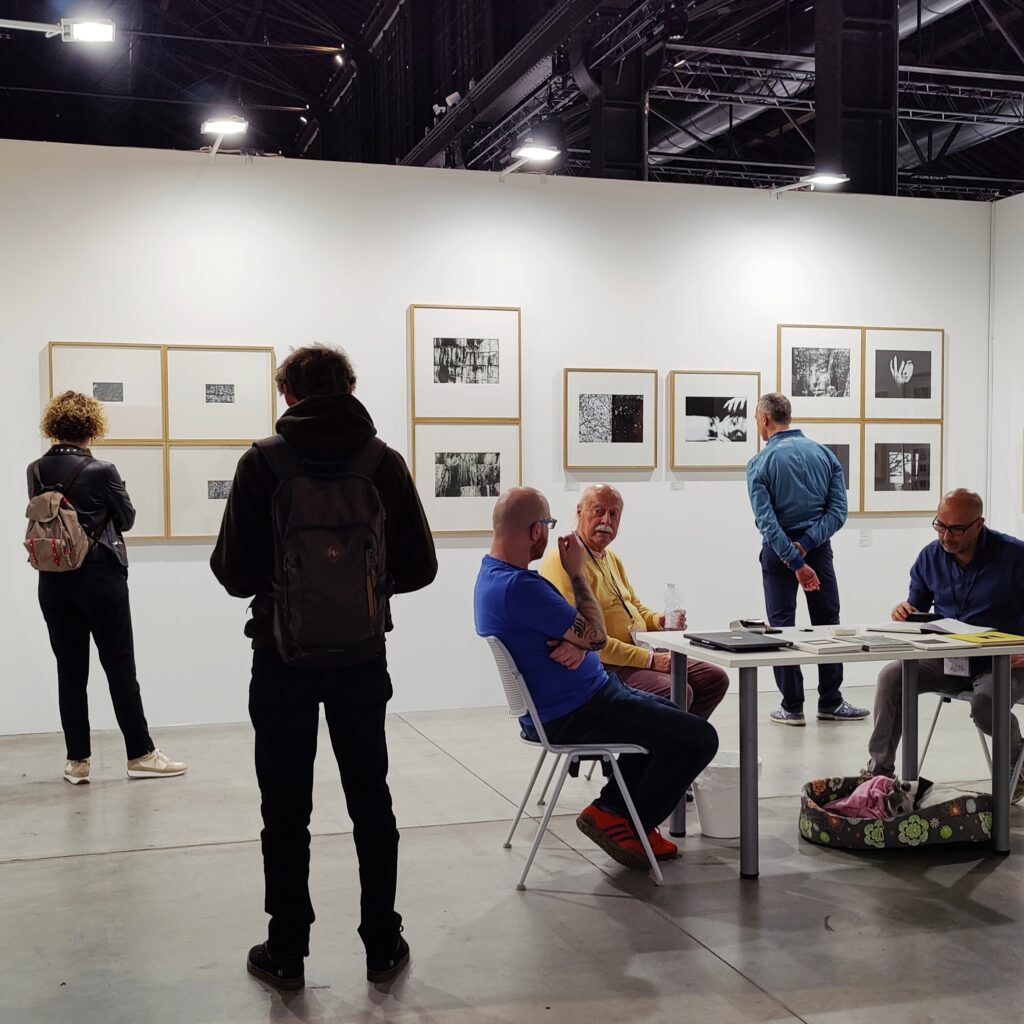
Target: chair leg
pixel 935 719
pixel 1018 765
pixel 551 775
pixel 984 747
pixel 590 770
pixel 521 884
pixel 526 796
pixel 644 841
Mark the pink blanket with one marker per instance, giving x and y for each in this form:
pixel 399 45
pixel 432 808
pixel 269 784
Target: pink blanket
pixel 866 801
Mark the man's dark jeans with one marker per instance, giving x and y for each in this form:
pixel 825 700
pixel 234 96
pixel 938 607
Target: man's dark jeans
pixel 93 601
pixel 680 746
pixel 284 705
pixel 780 589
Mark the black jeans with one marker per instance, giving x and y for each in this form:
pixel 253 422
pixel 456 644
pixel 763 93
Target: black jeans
pixel 93 600
pixel 680 746
pixel 284 705
pixel 780 589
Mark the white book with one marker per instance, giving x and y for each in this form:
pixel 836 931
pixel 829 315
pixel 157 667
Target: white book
pixel 938 626
pixel 826 645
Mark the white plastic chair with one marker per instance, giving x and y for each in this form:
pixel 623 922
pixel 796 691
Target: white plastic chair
pixel 520 703
pixel 966 695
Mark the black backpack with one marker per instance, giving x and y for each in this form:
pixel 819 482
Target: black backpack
pixel 330 564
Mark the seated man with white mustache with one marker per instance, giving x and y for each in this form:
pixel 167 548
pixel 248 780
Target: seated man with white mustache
pixel 598 516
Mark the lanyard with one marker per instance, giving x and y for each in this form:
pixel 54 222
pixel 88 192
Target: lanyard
pixel 610 579
pixel 954 590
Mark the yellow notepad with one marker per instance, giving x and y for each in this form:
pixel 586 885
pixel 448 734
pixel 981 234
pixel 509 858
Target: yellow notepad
pixel 991 637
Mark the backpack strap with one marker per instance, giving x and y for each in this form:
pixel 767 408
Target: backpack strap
pixel 283 458
pixel 367 460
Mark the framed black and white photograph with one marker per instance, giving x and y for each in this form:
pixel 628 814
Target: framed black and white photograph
pixel 220 394
pixel 819 370
pixel 464 362
pixel 712 418
pixel 902 467
pixel 844 440
pixel 460 469
pixel 609 419
pixel 126 379
pixel 200 481
pixel 904 374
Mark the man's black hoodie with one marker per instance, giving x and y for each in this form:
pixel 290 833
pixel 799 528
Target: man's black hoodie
pixel 323 428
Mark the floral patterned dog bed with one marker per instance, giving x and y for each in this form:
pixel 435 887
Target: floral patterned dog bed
pixel 963 820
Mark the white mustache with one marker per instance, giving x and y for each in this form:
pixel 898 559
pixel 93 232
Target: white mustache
pixel 602 529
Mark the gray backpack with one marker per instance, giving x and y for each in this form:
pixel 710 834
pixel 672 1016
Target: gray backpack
pixel 55 539
pixel 330 563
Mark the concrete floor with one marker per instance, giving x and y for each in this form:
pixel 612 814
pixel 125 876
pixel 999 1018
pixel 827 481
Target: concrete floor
pixel 135 901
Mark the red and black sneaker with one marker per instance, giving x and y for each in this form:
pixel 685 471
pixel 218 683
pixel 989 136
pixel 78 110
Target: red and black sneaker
pixel 663 849
pixel 615 835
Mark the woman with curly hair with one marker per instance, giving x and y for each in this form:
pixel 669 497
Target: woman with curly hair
pixel 93 599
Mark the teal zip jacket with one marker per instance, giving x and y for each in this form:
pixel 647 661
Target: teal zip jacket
pixel 797 493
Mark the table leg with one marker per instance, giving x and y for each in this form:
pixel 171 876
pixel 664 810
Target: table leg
pixel 748 773
pixel 1001 754
pixel 911 764
pixel 677 820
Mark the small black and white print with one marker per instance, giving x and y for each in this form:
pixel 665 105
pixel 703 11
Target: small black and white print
pixel 903 467
pixel 821 372
pixel 611 419
pixel 466 361
pixel 108 390
pixel 467 474
pixel 220 394
pixel 842 453
pixel 715 418
pixel 218 489
pixel 903 373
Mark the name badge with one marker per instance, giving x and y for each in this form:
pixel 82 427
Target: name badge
pixel 957 667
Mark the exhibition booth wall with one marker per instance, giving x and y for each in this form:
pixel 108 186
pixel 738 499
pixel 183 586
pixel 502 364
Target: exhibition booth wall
pixel 165 248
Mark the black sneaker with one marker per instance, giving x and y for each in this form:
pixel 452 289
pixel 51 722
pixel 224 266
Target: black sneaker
pixel 286 974
pixel 381 969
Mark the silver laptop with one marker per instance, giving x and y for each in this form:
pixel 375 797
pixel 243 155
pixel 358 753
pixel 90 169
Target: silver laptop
pixel 738 640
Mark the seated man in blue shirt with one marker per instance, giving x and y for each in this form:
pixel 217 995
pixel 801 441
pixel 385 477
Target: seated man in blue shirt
pixel 798 496
pixel 973 574
pixel 554 644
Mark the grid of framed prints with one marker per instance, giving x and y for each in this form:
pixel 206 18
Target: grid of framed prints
pixel 465 387
pixel 875 395
pixel 609 419
pixel 179 416
pixel 711 416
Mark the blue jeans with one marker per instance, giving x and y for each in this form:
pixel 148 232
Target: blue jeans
pixel 680 745
pixel 780 588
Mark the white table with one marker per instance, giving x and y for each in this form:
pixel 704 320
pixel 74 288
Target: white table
pixel 749 663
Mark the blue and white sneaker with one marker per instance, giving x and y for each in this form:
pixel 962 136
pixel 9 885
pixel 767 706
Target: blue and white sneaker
pixel 784 717
pixel 844 713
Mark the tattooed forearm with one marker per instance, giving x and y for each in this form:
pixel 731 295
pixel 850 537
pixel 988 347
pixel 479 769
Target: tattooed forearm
pixel 588 629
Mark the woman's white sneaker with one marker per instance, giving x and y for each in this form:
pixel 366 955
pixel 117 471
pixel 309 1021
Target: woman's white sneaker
pixel 155 765
pixel 77 772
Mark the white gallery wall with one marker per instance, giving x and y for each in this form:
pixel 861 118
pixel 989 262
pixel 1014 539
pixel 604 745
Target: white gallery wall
pixel 148 246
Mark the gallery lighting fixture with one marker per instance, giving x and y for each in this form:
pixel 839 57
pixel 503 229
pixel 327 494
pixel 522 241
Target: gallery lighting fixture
pixel 339 59
pixel 819 179
pixel 541 144
pixel 233 125
pixel 70 30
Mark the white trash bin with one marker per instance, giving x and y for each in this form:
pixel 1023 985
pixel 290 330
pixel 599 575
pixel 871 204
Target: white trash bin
pixel 716 794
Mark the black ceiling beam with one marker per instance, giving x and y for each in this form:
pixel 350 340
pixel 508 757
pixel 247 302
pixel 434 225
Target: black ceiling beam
pixel 556 26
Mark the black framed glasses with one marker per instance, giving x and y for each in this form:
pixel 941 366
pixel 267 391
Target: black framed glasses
pixel 957 531
pixel 549 523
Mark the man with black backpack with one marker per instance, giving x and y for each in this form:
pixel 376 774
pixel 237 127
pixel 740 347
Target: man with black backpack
pixel 323 524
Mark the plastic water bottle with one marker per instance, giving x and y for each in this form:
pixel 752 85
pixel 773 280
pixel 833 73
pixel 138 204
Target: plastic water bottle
pixel 673 608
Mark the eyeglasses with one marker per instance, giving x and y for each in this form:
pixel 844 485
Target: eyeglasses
pixel 957 531
pixel 549 523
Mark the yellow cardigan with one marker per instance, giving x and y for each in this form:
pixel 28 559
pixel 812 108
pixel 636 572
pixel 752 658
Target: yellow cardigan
pixel 620 650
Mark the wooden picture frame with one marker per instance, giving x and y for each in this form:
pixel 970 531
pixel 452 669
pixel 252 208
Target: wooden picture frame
pixel 711 419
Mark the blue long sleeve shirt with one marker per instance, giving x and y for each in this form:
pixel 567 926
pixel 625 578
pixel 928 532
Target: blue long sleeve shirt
pixel 797 493
pixel 988 591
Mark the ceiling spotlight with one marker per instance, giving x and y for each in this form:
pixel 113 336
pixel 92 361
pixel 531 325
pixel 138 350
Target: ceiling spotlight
pixel 439 110
pixel 542 143
pixel 339 59
pixel 452 98
pixel 819 179
pixel 304 120
pixel 233 125
pixel 86 30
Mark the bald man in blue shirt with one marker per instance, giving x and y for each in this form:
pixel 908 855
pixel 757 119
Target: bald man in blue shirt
pixel 798 496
